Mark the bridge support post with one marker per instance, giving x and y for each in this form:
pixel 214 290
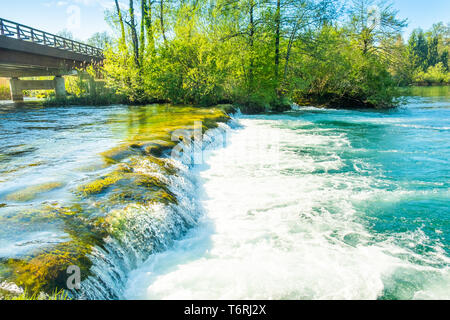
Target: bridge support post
pixel 17 86
pixel 60 87
pixel 16 90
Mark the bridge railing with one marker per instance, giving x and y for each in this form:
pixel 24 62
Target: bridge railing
pixel 19 31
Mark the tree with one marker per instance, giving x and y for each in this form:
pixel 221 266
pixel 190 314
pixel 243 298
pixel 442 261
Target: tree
pixel 148 21
pixel 134 37
pixel 418 49
pixel 433 54
pixel 162 21
pixel 259 54
pixel 371 23
pixel 301 20
pixel 122 27
pixel 65 33
pixel 100 40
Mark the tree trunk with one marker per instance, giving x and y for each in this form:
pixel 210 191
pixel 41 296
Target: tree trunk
pixel 251 43
pixel 122 27
pixel 149 26
pixel 134 36
pixel 277 38
pixel 161 19
pixel 142 35
pixel 289 48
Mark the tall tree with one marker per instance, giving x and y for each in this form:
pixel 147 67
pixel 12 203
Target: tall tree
pixel 122 27
pixel 142 31
pixel 418 49
pixel 251 27
pixel 304 17
pixel 149 24
pixel 372 22
pixel 433 53
pixel 277 38
pixel 162 21
pixel 134 35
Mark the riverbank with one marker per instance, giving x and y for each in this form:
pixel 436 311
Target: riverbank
pixel 324 101
pixel 109 211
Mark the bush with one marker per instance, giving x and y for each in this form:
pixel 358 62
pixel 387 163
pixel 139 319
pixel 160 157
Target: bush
pixel 434 75
pixel 4 93
pixel 85 90
pixel 281 104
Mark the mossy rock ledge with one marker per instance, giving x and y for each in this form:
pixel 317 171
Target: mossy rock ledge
pixel 86 222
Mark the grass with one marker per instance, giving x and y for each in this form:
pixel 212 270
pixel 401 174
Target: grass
pixel 55 296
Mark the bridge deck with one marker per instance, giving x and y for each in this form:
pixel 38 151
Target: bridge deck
pixel 25 51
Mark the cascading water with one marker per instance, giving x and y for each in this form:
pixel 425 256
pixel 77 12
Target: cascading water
pixel 150 228
pixel 141 203
pixel 311 204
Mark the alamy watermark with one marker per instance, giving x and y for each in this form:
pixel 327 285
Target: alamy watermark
pixel 74 280
pixel 373 17
pixel 259 148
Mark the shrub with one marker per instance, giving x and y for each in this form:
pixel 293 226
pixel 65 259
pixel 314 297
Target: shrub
pixel 4 93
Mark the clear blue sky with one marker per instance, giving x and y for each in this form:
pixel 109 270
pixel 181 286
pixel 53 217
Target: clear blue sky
pixel 85 17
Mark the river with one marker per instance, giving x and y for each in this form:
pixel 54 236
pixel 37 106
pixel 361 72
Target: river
pixel 310 204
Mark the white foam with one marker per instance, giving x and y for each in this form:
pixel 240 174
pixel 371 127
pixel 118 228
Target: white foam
pixel 271 234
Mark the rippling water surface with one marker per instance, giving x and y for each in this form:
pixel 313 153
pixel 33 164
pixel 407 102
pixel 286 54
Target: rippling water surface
pixel 312 204
pixel 54 147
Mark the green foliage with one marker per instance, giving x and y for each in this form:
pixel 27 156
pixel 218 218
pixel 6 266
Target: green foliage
pixel 263 55
pixel 338 74
pixel 100 40
pixel 436 74
pixel 4 93
pixel 84 89
pixel 428 53
pixel 55 296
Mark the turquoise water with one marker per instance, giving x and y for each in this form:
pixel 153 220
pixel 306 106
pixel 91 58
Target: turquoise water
pixel 407 151
pixel 318 204
pixel 310 204
pixel 48 145
pixel 406 154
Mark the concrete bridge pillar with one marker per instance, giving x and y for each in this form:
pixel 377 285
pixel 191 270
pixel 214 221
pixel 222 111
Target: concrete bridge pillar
pixel 17 86
pixel 16 90
pixel 60 87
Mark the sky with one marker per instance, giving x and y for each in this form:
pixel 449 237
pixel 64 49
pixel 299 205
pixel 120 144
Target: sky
pixel 85 17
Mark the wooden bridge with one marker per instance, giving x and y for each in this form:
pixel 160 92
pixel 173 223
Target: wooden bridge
pixel 28 52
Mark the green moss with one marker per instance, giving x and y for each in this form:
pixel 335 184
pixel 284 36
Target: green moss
pixel 162 165
pixel 158 148
pixel 32 192
pixel 121 152
pixel 98 186
pixel 124 186
pixel 48 213
pixel 227 108
pixel 134 182
pixel 151 127
pixel 47 271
